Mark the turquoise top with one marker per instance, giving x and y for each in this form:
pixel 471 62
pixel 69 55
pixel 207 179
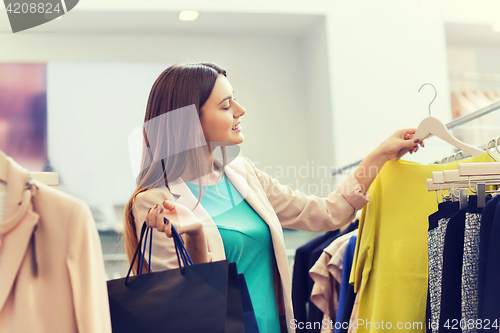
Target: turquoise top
pixel 247 242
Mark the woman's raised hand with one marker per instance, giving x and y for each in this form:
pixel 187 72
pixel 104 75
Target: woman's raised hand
pixel 390 147
pixel 386 151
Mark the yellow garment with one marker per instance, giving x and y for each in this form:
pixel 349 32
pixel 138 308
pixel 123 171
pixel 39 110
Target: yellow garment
pixel 390 266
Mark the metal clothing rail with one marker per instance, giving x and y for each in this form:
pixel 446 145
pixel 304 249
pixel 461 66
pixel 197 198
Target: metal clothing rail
pixel 452 124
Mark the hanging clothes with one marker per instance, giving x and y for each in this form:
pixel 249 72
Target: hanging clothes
pixel 354 316
pixel 459 298
pixel 315 314
pixel 489 212
pixel 453 254
pixel 389 271
pixel 52 273
pixel 327 276
pixel 470 264
pixel 301 281
pixel 347 294
pixel 438 223
pixel 305 257
pixel 489 271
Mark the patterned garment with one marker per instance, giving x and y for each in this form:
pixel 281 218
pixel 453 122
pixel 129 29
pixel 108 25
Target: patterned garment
pixel 435 243
pixel 470 272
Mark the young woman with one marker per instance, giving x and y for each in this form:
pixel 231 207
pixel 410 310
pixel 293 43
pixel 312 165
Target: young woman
pixel 229 210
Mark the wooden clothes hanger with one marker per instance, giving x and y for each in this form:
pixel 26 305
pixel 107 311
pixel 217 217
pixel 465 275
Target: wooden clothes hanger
pixel 434 126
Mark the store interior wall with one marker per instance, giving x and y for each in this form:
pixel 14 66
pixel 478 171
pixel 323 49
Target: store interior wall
pixel 473 53
pixel 104 102
pixel 317 110
pixel 474 58
pixel 379 63
pixel 328 94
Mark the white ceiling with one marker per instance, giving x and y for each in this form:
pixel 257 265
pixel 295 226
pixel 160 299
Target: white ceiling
pixel 222 24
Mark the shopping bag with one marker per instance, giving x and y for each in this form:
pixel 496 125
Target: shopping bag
pixel 192 298
pixel 248 312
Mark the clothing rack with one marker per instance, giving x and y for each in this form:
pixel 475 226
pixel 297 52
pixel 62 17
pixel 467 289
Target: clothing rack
pixel 452 124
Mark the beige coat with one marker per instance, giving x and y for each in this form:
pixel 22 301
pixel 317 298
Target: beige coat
pixel 278 205
pixel 54 282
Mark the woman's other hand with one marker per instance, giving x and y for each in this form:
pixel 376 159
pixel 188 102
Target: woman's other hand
pixel 169 213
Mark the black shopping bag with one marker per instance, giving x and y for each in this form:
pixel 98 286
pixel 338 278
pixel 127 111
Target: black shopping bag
pixel 192 298
pixel 248 312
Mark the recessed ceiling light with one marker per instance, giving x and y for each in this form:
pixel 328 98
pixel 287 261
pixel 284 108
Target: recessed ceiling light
pixel 495 27
pixel 188 15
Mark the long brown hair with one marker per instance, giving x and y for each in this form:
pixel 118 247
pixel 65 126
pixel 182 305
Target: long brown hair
pixel 177 87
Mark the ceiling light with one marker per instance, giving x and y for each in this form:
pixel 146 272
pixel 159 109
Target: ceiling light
pixel 495 27
pixel 188 15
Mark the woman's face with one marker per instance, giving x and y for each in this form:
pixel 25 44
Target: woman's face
pixel 220 115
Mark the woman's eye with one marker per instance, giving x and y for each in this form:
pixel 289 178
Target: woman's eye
pixel 228 107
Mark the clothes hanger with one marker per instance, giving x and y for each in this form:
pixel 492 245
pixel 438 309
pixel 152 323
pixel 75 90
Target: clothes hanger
pixel 468 176
pixel 474 99
pixel 482 169
pixel 491 95
pixel 434 126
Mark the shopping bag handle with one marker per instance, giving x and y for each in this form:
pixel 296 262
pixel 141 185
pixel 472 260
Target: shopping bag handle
pixel 144 249
pixel 179 246
pixel 180 250
pixel 143 231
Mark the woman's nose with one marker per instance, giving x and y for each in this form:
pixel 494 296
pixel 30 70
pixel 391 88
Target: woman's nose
pixel 240 111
